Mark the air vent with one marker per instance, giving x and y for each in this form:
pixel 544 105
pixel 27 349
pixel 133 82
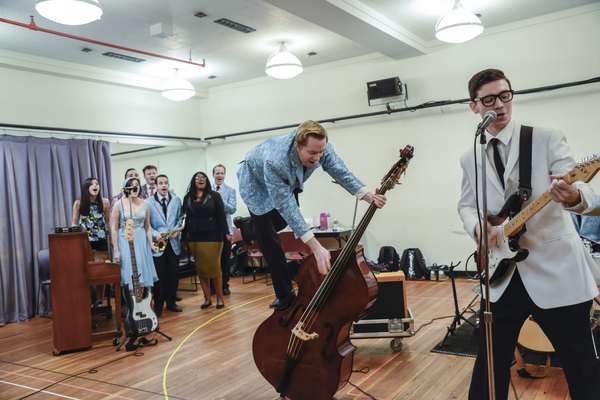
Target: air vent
pixel 123 57
pixel 234 25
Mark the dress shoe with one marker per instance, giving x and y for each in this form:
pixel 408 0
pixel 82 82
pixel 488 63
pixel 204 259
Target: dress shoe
pixel 281 303
pixel 203 306
pixel 220 305
pixel 178 298
pixel 174 308
pixel 226 292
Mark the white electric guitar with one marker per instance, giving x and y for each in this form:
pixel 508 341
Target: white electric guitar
pixel 510 227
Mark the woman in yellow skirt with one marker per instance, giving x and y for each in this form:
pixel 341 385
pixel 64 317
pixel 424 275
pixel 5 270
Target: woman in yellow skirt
pixel 203 234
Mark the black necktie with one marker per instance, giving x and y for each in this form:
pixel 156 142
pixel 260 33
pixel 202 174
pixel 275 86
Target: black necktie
pixel 498 161
pixel 164 206
pixel 218 187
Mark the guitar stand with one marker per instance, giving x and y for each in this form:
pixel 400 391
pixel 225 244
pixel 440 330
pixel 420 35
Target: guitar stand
pixel 458 315
pixel 130 346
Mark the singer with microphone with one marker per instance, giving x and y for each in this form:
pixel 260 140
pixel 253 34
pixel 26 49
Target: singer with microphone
pixel 557 281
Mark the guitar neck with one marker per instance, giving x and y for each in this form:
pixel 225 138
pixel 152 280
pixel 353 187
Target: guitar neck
pixel 514 225
pixel 135 276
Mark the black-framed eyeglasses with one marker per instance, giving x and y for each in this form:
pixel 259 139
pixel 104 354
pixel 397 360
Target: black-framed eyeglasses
pixel 490 100
pixel 200 178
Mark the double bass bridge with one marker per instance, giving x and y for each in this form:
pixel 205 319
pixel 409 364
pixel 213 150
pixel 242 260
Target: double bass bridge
pixel 300 334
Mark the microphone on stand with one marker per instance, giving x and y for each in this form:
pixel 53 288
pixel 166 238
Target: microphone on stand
pixel 488 118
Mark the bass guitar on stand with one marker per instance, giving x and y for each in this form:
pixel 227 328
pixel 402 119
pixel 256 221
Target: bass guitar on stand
pixel 509 223
pixel 141 319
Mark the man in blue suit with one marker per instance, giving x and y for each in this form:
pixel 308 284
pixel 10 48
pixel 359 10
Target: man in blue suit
pixel 165 216
pixel 270 179
pixel 588 227
pixel 230 201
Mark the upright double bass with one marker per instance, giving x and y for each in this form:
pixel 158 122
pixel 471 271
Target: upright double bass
pixel 305 350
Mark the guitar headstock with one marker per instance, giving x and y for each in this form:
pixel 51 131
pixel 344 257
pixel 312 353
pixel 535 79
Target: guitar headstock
pixel 129 233
pixel 400 167
pixel 585 170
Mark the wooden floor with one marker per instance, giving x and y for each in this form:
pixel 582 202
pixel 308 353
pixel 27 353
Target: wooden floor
pixel 210 356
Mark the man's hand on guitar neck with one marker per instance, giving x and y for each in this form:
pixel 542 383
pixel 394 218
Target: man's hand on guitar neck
pixel 563 192
pixel 492 234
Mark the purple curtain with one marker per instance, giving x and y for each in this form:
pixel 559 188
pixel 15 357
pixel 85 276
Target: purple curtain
pixel 41 179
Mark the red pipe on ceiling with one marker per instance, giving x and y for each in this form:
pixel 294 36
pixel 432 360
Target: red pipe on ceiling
pixel 34 27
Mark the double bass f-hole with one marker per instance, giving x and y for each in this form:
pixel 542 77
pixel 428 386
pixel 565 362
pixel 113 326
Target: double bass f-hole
pixel 329 357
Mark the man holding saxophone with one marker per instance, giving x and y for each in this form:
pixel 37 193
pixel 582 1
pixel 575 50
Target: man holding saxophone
pixel 166 220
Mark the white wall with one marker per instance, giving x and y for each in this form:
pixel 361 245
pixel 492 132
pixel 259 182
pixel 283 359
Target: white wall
pixel 422 211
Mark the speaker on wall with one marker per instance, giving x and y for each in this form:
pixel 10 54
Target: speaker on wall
pixel 384 88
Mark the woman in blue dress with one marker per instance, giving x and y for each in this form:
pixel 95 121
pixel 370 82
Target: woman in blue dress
pixel 135 208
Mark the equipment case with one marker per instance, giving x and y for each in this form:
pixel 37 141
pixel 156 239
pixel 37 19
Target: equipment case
pixel 389 316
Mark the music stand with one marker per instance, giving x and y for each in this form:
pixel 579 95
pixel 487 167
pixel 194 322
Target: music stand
pixel 458 315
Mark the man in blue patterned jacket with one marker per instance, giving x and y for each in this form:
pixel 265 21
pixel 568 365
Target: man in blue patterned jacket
pixel 270 178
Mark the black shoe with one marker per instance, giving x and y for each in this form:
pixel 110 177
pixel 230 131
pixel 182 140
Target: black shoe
pixel 174 308
pixel 226 292
pixel 220 305
pixel 178 298
pixel 203 306
pixel 281 303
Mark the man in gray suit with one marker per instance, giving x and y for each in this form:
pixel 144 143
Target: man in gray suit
pixel 270 179
pixel 557 281
pixel 230 201
pixel 165 216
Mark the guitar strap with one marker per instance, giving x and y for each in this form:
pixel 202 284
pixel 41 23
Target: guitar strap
pixel 525 150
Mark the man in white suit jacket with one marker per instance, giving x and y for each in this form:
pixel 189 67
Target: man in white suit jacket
pixel 557 281
pixel 165 216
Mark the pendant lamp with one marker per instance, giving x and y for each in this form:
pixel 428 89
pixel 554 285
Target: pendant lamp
pixel 177 88
pixel 458 26
pixel 283 64
pixel 69 12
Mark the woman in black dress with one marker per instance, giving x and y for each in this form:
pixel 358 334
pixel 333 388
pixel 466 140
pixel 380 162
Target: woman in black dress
pixel 204 231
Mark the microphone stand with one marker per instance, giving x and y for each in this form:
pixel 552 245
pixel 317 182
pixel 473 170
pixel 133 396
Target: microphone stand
pixel 487 314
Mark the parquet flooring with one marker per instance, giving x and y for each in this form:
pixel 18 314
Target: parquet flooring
pixel 210 356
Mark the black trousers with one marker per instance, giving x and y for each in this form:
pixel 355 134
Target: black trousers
pixel 225 258
pixel 567 328
pixel 167 269
pixel 266 227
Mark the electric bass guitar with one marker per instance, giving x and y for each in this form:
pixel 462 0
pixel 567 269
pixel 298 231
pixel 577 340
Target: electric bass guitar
pixel 509 223
pixel 141 319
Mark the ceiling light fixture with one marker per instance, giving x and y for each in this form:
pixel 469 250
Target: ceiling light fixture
pixel 457 26
pixel 177 88
pixel 69 12
pixel 283 64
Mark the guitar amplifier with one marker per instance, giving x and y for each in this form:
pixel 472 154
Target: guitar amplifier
pixel 389 316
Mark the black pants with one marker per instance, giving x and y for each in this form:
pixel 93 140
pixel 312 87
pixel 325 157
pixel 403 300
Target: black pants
pixel 167 269
pixel 267 226
pixel 567 328
pixel 225 259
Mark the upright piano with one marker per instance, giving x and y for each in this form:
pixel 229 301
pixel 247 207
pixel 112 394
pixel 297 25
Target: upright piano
pixel 73 269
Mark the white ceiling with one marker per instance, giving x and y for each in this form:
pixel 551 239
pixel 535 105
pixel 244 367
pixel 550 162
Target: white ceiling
pixel 334 29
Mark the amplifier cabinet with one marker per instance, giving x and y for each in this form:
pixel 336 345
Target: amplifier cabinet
pixel 389 316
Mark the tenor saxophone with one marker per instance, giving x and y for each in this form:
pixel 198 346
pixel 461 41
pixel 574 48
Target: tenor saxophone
pixel 162 244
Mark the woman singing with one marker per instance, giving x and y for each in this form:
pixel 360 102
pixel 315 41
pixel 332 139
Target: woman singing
pixel 91 212
pixel 204 231
pixel 132 207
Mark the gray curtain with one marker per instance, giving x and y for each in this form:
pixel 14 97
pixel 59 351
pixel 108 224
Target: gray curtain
pixel 41 179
